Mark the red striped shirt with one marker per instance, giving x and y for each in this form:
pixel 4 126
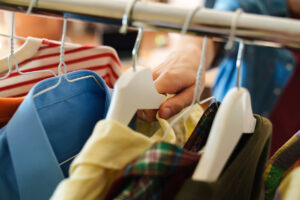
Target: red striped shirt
pixel 100 59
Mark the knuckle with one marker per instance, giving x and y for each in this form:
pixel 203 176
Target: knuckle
pixel 169 75
pixel 155 73
pixel 176 106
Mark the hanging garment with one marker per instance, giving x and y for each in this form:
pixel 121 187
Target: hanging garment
pixel 182 129
pixel 8 107
pixel 92 174
pixel 111 146
pixel 241 178
pixel 46 132
pixel 162 154
pixel 285 115
pixel 195 143
pixel 41 54
pixel 152 175
pixel 162 169
pixel 200 134
pixel 279 164
pixel 148 175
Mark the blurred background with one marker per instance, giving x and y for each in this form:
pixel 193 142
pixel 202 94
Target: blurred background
pixel 155 46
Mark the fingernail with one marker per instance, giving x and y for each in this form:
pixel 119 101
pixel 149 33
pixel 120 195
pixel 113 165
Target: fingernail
pixel 167 113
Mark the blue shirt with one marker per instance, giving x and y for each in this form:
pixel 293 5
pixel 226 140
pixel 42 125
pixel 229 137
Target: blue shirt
pixel 265 70
pixel 46 131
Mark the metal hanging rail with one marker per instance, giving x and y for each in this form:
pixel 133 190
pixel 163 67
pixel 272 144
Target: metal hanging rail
pixel 253 29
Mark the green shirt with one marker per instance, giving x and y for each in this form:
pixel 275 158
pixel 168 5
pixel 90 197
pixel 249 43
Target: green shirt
pixel 242 177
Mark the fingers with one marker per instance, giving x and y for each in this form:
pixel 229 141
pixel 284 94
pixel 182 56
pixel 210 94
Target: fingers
pixel 176 103
pixel 172 82
pixel 155 73
pixel 176 75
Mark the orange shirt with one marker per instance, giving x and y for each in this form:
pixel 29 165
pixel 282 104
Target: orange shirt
pixel 8 107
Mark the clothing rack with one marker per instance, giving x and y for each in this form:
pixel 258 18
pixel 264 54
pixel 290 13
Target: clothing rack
pixel 253 29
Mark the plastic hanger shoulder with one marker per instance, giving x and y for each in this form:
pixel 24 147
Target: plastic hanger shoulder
pixel 233 118
pixel 134 90
pixel 26 51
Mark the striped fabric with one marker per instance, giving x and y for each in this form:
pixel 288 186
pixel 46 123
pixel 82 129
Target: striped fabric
pixel 100 59
pixel 279 165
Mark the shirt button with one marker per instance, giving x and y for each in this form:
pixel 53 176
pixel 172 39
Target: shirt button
pixel 289 67
pixel 277 91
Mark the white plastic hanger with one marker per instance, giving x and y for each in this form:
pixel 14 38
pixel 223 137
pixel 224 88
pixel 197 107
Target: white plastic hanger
pixel 62 63
pixel 12 54
pixel 234 118
pixel 135 88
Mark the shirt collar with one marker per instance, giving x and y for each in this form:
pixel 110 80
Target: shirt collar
pixel 32 156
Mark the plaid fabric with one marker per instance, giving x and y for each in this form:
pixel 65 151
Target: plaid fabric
pixel 147 176
pixel 162 169
pixel 200 134
pixel 195 143
pixel 280 163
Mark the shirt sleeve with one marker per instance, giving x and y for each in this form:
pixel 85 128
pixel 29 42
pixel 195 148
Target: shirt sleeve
pixel 267 7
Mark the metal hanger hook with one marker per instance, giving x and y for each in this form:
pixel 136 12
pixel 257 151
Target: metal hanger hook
pixel 127 16
pixel 136 47
pixel 62 48
pixel 239 63
pixel 188 19
pixel 197 91
pixel 12 53
pixel 33 2
pixel 232 35
pixel 61 61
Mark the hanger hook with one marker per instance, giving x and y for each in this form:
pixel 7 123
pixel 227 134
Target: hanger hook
pixel 127 16
pixel 62 62
pixel 136 47
pixel 239 63
pixel 197 91
pixel 233 27
pixel 29 9
pixel 12 45
pixel 12 53
pixel 62 49
pixel 188 20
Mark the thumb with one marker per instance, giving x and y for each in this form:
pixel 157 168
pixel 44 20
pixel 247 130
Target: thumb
pixel 176 103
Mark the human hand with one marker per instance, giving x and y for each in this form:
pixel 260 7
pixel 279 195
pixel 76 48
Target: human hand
pixel 176 75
